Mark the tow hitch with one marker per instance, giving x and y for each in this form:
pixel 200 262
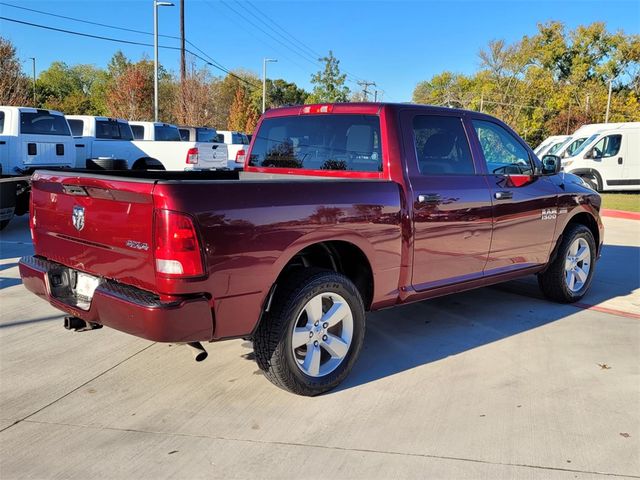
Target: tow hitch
pixel 79 325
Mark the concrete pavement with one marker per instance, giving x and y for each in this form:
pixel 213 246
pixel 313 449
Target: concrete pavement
pixel 494 383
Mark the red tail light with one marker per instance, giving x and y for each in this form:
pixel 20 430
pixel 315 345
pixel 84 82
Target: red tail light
pixel 192 156
pixel 240 156
pixel 317 109
pixel 177 249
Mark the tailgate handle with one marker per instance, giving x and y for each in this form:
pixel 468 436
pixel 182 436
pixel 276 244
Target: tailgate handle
pixel 74 190
pixel 80 145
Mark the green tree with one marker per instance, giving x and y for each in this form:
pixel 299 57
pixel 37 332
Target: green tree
pixel 329 83
pixel 15 88
pixel 73 90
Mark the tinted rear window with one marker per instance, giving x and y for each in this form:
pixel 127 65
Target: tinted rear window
pixel 138 131
pixel 76 127
pixel 112 130
pixel 239 139
pixel 319 142
pixel 1 122
pixel 167 133
pixel 43 123
pixel 206 135
pixel 184 134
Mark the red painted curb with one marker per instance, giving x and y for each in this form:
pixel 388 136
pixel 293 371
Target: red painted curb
pixel 610 311
pixel 620 214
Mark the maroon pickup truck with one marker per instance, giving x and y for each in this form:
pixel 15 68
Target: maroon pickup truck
pixel 341 209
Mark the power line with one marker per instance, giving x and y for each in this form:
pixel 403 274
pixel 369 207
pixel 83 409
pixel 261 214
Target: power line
pixel 128 42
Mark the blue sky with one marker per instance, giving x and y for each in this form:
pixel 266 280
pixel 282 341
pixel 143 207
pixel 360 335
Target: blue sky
pixel 394 43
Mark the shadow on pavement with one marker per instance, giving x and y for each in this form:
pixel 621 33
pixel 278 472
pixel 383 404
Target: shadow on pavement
pixel 35 320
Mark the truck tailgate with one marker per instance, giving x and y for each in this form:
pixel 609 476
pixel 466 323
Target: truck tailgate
pixel 212 155
pixel 101 226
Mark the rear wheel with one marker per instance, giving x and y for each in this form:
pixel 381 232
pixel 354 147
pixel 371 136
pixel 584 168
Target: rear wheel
pixel 569 276
pixel 311 339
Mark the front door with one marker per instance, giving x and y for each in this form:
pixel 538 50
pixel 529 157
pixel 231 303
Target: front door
pixel 524 205
pixel 451 202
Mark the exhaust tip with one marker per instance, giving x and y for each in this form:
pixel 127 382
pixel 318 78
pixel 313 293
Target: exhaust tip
pixel 199 353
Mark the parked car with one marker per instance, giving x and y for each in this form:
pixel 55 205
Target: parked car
pixel 164 149
pixel 30 138
pixel 103 143
pixel 549 143
pixel 341 209
pixel 237 145
pixel 609 159
pixel 198 134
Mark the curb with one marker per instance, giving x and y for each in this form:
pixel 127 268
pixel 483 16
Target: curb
pixel 620 214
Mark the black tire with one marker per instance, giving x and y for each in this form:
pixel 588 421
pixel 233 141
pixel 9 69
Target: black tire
pixel 106 164
pixel 553 281
pixel 593 180
pixel 272 340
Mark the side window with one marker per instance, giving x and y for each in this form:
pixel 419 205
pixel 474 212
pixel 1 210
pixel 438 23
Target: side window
pixel 441 146
pixel 138 131
pixel 1 122
pixel 503 153
pixel 125 131
pixel 184 134
pixel 607 146
pixel 76 127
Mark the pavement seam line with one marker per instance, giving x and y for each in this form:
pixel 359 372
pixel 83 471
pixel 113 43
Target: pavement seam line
pixel 332 447
pixel 78 387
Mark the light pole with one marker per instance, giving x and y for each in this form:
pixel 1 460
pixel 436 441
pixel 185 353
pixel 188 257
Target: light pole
pixel 606 118
pixel 156 4
pixel 264 81
pixel 33 63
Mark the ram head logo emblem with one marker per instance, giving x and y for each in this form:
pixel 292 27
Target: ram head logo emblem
pixel 78 217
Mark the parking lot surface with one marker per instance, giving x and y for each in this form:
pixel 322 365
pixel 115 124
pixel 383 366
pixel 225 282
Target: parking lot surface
pixel 492 383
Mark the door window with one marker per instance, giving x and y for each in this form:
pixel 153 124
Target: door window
pixel 138 131
pixel 441 146
pixel 503 153
pixel 607 146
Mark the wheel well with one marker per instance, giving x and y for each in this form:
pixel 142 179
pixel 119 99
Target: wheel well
pixel 339 256
pixel 589 222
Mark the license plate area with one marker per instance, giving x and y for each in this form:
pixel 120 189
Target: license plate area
pixel 73 287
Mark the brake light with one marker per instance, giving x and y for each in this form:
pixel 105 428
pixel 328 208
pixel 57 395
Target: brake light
pixel 192 156
pixel 317 109
pixel 177 249
pixel 240 156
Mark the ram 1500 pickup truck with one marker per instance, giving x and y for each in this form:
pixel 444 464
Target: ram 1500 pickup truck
pixel 341 209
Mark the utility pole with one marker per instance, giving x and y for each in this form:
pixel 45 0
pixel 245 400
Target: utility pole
pixel 586 106
pixel 33 64
pixel 365 85
pixel 568 118
pixel 481 101
pixel 183 66
pixel 156 4
pixel 606 118
pixel 375 95
pixel 264 81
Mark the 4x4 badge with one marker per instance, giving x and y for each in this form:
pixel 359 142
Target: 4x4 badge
pixel 78 217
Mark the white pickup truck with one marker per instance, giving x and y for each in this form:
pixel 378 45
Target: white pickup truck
pixel 30 138
pixel 237 146
pixel 163 149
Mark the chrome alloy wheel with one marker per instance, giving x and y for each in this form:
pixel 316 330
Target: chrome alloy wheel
pixel 577 264
pixel 322 334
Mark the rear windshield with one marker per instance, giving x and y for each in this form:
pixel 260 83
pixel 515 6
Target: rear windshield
pixel 43 123
pixel 206 135
pixel 113 130
pixel 167 133
pixel 319 142
pixel 239 139
pixel 138 132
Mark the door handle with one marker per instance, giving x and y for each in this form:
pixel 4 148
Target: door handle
pixel 503 195
pixel 429 198
pixel 619 160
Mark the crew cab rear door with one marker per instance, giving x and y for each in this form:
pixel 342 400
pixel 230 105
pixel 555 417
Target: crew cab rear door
pixel 450 201
pixel 524 203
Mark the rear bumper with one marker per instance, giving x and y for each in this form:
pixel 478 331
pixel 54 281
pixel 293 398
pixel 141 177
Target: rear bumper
pixel 126 308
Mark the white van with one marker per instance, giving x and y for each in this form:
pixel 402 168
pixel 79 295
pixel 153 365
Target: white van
pixel 610 159
pixel 585 134
pixel 548 143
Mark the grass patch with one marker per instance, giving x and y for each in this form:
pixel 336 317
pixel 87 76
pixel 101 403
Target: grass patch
pixel 629 202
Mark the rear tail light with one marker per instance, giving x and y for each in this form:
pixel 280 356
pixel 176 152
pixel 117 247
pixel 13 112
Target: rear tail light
pixel 317 109
pixel 192 156
pixel 177 249
pixel 240 156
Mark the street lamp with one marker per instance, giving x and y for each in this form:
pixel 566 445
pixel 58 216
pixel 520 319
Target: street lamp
pixel 264 81
pixel 156 4
pixel 33 60
pixel 606 118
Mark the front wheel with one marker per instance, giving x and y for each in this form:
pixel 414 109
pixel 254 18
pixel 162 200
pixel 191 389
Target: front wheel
pixel 309 341
pixel 569 276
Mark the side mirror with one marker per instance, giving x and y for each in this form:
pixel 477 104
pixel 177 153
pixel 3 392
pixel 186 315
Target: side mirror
pixel 551 164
